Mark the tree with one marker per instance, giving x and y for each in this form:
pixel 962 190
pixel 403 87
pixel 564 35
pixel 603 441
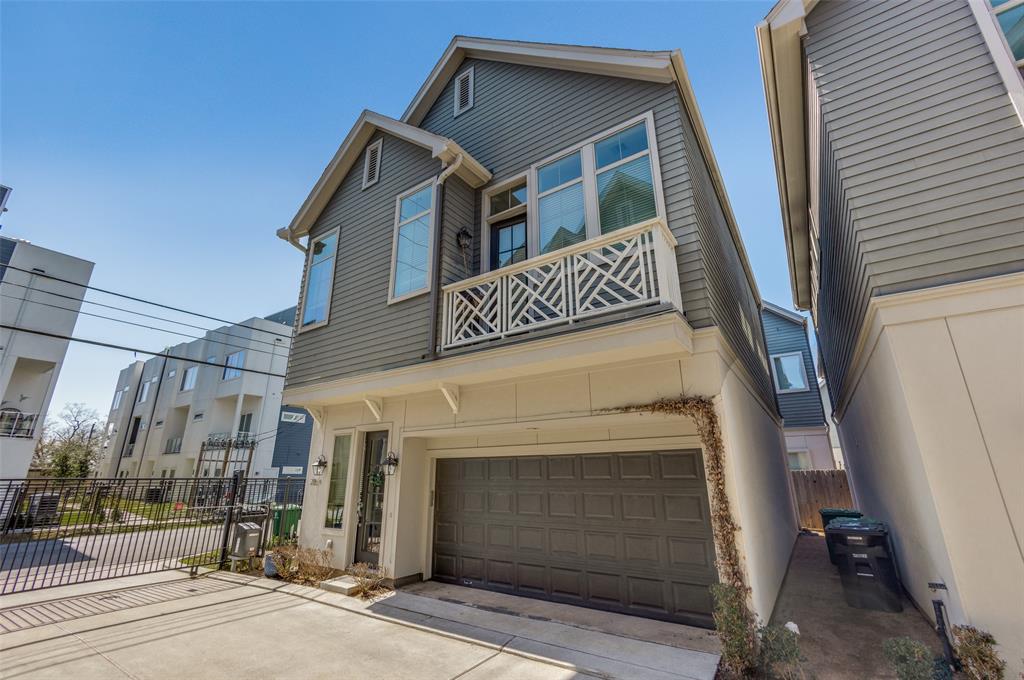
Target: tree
pixel 70 444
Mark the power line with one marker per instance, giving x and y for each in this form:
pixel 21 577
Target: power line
pixel 143 301
pixel 143 314
pixel 125 348
pixel 142 325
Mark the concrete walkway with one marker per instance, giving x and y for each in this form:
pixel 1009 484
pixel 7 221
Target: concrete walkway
pixel 230 626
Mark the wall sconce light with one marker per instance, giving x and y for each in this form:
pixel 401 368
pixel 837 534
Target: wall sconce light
pixel 464 239
pixel 320 466
pixel 390 463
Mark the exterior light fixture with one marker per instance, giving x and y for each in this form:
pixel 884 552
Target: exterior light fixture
pixel 390 463
pixel 320 466
pixel 464 239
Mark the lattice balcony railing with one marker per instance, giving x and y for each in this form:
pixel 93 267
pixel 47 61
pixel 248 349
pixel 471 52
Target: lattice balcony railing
pixel 626 268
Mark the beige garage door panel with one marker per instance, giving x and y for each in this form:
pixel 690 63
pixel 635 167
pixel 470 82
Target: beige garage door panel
pixel 627 532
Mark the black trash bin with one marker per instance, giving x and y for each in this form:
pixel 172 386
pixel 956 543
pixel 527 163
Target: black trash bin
pixel 866 564
pixel 829 514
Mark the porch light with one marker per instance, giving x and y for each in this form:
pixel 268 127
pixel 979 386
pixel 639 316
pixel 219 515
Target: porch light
pixel 319 466
pixel 464 238
pixel 390 463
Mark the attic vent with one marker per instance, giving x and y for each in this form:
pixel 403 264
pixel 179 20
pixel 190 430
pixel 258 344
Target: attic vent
pixel 464 91
pixel 371 167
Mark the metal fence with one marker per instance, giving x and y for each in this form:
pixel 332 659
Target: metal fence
pixel 62 531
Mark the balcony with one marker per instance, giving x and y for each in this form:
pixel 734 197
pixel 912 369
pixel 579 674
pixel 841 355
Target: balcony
pixel 628 268
pixel 17 425
pixel 219 440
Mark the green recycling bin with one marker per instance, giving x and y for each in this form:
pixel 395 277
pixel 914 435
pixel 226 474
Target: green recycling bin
pixel 286 520
pixel 829 514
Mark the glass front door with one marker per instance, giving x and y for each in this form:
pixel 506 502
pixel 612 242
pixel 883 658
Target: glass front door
pixel 371 499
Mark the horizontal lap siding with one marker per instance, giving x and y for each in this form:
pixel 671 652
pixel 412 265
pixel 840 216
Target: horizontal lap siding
pixel 365 333
pixel 784 336
pixel 920 148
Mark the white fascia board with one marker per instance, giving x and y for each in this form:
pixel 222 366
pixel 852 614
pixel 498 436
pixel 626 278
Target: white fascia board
pixel 783 312
pixel 368 122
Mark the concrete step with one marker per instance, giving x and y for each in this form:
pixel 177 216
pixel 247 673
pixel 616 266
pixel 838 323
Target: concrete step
pixel 346 585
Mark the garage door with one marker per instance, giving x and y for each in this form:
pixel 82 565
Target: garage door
pixel 625 532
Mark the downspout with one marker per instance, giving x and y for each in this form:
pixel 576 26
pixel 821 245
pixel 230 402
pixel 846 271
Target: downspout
pixel 152 414
pixel 131 417
pixel 285 234
pixel 438 245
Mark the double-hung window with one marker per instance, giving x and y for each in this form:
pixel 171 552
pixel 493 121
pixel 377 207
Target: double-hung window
pixel 319 280
pixel 609 182
pixel 410 269
pixel 234 364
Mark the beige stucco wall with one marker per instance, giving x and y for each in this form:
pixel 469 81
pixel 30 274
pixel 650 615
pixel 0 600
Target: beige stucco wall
pixel 816 442
pixel 932 433
pixel 562 413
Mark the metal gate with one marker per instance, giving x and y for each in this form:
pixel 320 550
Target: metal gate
pixel 56 532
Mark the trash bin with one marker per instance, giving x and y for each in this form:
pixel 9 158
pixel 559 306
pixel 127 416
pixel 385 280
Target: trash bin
pixel 867 566
pixel 829 514
pixel 286 520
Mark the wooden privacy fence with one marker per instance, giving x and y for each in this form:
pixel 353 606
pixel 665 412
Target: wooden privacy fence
pixel 816 489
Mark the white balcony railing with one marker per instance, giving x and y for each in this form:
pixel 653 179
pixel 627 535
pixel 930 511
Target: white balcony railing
pixel 17 424
pixel 626 268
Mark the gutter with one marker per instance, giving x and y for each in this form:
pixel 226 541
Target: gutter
pixel 438 246
pixel 285 234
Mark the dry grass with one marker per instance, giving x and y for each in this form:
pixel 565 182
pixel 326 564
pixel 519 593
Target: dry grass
pixel 307 566
pixel 370 581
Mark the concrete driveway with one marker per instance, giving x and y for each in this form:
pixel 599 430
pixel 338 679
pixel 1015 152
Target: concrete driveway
pixel 164 626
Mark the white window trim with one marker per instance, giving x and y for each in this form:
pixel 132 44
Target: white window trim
pixel 589 178
pixel 305 284
pixel 366 164
pixel 995 39
pixel 775 375
pixel 489 219
pixel 432 182
pixel 468 74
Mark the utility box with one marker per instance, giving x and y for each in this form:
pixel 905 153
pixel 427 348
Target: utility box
pixel 867 566
pixel 247 540
pixel 43 508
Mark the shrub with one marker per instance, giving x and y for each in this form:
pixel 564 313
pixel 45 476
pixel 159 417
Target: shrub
pixel 307 566
pixel 911 660
pixel 778 654
pixel 736 629
pixel 976 651
pixel 370 581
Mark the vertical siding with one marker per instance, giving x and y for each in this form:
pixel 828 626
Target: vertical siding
pixel 784 336
pixel 919 156
pixel 522 114
pixel 365 333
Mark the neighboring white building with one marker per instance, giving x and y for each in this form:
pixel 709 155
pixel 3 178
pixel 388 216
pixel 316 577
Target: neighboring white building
pixel 30 363
pixel 164 411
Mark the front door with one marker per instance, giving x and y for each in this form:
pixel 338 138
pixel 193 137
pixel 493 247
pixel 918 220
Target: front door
pixel 371 499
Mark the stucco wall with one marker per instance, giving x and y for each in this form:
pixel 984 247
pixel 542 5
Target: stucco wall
pixel 816 443
pixel 932 436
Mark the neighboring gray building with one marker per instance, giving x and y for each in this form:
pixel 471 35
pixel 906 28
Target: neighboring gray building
pixel 544 236
pixel 898 132
pixel 796 387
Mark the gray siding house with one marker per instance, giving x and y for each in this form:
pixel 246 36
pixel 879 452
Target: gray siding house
pixel 796 388
pixel 541 239
pixel 898 132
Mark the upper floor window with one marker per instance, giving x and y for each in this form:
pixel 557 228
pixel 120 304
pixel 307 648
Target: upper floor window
pixel 319 279
pixel 235 362
pixel 505 233
pixel 117 400
pixel 1009 15
pixel 144 392
pixel 464 91
pixel 788 370
pixel 609 182
pixel 371 164
pixel 188 378
pixel 411 250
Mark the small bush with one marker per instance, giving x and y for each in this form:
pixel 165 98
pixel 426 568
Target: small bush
pixel 736 629
pixel 911 660
pixel 976 651
pixel 778 653
pixel 307 566
pixel 369 580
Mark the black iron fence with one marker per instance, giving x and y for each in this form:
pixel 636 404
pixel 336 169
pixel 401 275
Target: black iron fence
pixel 62 531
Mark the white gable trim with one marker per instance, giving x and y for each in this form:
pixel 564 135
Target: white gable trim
pixel 660 67
pixel 440 148
pixel 783 312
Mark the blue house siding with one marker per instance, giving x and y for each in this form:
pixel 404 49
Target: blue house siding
pixel 291 449
pixel 785 336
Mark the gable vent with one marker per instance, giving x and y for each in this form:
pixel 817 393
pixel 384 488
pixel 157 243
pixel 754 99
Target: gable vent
pixel 464 91
pixel 371 165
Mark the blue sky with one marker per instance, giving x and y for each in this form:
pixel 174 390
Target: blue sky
pixel 166 142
